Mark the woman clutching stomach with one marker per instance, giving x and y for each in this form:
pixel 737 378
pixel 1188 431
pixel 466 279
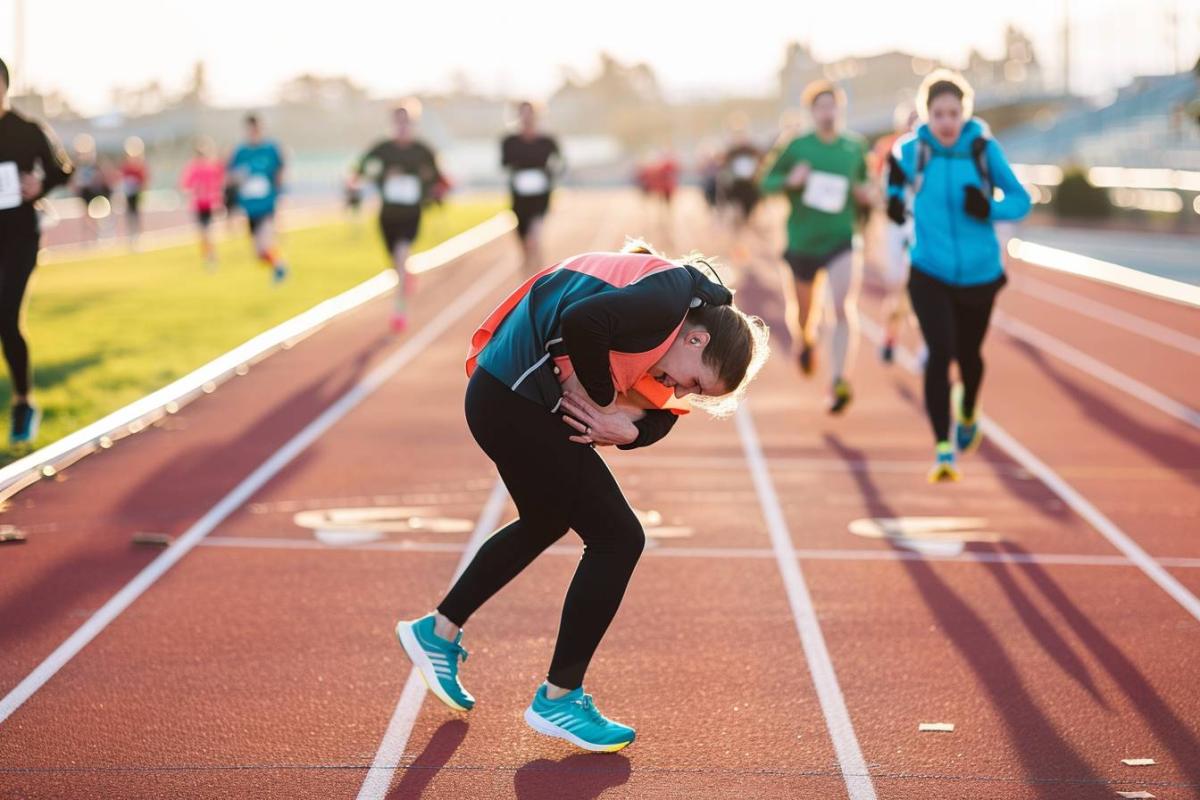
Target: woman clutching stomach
pixel 602 349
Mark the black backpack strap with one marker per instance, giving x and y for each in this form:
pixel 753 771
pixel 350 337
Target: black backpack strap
pixel 979 156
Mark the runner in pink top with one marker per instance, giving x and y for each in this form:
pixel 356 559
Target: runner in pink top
pixel 204 178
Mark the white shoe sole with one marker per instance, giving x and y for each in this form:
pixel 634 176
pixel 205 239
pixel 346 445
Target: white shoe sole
pixel 416 654
pixel 547 728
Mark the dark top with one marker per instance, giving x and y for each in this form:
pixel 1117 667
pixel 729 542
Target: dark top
pixel 518 153
pixel 633 319
pixel 395 160
pixel 30 146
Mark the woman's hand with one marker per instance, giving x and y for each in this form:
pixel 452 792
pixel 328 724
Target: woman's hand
pixel 595 425
pixel 572 386
pixel 798 175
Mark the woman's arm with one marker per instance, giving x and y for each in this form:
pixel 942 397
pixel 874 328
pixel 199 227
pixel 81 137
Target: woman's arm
pixel 55 164
pixel 776 178
pixel 1016 202
pixel 653 426
pixel 633 319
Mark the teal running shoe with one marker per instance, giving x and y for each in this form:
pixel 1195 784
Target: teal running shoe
pixel 437 660
pixel 967 431
pixel 945 467
pixel 574 717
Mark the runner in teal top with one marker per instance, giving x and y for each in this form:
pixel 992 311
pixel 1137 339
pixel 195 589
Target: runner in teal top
pixel 256 169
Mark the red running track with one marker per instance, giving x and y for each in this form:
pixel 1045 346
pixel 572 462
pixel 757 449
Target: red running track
pixel 262 663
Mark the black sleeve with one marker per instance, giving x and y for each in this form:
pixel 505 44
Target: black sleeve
pixel 367 157
pixel 505 152
pixel 652 427
pixel 55 163
pixel 632 319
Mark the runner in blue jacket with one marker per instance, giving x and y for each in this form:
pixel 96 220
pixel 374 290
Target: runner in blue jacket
pixel 961 185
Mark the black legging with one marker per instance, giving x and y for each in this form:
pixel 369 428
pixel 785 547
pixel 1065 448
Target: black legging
pixel 18 255
pixel 556 484
pixel 954 320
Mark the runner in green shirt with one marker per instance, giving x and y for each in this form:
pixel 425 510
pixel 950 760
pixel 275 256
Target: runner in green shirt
pixel 824 175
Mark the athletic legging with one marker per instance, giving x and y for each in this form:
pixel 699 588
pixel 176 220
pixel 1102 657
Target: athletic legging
pixel 556 484
pixel 954 320
pixel 18 255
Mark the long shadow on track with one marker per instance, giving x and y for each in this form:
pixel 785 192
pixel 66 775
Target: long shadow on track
pixel 1030 730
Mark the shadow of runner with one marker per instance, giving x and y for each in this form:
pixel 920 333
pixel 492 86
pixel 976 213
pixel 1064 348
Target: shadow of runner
pixel 582 776
pixel 1176 735
pixel 1172 451
pixel 168 501
pixel 1030 731
pixel 441 747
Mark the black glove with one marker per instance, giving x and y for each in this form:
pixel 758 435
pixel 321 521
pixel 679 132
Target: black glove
pixel 896 211
pixel 975 203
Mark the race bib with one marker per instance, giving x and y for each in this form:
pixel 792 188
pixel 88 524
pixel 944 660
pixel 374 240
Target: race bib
pixel 10 185
pixel 402 190
pixel 826 192
pixel 255 187
pixel 530 181
pixel 744 167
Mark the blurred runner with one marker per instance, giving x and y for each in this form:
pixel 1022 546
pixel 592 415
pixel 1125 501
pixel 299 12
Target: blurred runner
pixel 740 174
pixel 953 166
pixel 204 179
pixel 534 162
pixel 31 164
pixel 406 172
pixel 134 178
pixel 256 169
pixel 824 175
pixel 893 240
pixel 630 335
pixel 91 185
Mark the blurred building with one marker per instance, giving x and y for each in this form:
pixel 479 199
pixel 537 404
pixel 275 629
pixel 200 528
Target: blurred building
pixel 1154 122
pixel 875 84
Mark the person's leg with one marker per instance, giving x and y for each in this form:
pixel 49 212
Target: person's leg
pixel 895 275
pixel 266 248
pixel 540 468
pixel 845 280
pixel 613 542
pixel 533 245
pixel 935 314
pixel 971 321
pixel 18 256
pixel 802 298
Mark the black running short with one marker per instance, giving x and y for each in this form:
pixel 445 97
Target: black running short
pixel 399 224
pixel 529 209
pixel 805 266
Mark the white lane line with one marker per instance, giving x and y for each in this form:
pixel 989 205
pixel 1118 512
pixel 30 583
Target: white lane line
pixel 1093 268
pixel 1107 314
pixel 138 415
pixel 1065 492
pixel 248 486
pixel 391 747
pixel 1106 527
pixel 833 705
pixel 1097 369
pixel 831 554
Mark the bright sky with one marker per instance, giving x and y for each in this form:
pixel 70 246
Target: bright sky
pixel 84 48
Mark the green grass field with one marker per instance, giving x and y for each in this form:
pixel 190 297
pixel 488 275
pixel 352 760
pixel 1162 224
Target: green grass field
pixel 106 330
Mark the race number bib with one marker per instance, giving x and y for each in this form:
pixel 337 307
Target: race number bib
pixel 744 167
pixel 402 190
pixel 826 192
pixel 255 187
pixel 10 185
pixel 530 181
